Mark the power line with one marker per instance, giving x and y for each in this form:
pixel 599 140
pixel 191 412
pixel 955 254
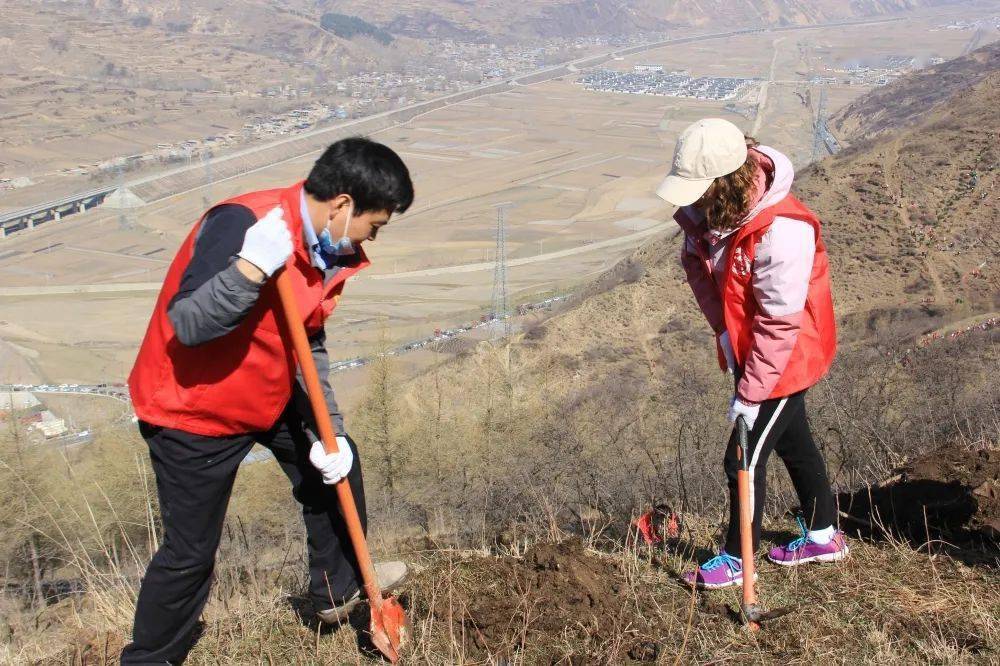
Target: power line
pixel 501 308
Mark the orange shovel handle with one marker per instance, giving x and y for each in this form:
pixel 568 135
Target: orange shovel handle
pixel 303 353
pixel 746 521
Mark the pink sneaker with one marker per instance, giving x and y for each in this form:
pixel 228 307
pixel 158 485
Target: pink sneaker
pixel 803 550
pixel 723 570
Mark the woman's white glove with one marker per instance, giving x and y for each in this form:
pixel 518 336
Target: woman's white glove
pixel 268 243
pixel 727 351
pixel 739 408
pixel 333 466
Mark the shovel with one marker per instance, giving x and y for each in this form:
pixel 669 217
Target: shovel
pixel 753 612
pixel 388 628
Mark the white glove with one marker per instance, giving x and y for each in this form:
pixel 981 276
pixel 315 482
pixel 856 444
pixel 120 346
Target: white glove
pixel 727 351
pixel 739 408
pixel 333 466
pixel 268 243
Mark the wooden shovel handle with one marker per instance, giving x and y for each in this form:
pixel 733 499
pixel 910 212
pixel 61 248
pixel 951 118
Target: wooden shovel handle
pixel 348 508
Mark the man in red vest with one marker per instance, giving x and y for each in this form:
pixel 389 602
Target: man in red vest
pixel 757 264
pixel 215 374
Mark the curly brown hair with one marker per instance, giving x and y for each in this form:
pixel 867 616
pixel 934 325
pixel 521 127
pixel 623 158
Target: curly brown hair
pixel 728 199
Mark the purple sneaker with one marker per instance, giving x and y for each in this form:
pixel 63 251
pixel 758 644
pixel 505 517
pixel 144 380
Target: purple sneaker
pixel 802 550
pixel 723 570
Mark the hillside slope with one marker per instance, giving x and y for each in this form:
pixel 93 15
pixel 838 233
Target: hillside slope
pixel 615 404
pixel 208 45
pixel 914 98
pixel 911 216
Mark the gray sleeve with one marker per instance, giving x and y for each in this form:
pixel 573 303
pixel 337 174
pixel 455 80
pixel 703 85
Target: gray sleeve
pixel 214 308
pixel 322 359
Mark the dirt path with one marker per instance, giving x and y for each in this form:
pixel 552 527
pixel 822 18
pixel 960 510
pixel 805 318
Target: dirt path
pixel 932 271
pixel 963 324
pixel 762 98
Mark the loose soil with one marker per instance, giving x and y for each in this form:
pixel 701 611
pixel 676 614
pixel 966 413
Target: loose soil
pixel 560 603
pixel 952 492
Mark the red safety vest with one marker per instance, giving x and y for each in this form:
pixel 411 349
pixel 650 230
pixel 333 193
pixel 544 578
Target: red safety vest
pixel 241 381
pixel 816 344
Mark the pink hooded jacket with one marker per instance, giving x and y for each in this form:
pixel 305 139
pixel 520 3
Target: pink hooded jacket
pixel 781 271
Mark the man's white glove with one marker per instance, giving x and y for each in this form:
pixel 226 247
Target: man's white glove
pixel 739 408
pixel 268 243
pixel 727 351
pixel 333 466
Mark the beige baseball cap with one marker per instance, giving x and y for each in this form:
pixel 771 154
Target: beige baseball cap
pixel 709 148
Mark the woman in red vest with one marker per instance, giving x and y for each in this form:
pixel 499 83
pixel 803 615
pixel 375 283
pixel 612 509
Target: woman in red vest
pixel 757 264
pixel 215 374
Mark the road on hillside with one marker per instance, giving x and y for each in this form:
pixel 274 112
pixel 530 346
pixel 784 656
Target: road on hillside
pixel 129 287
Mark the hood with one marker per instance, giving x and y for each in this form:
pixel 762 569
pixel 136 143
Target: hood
pixel 689 218
pixel 781 181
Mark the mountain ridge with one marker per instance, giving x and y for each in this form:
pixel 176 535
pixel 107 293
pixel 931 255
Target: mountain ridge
pixel 908 100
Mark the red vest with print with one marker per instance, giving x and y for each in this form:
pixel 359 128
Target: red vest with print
pixel 816 344
pixel 241 381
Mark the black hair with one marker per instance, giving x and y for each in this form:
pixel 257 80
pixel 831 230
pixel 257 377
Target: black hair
pixel 371 173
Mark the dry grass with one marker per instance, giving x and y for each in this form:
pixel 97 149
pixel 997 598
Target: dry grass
pixel 887 604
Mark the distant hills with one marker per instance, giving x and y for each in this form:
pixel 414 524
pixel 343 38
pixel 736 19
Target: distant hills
pixel 914 98
pixel 493 19
pixel 348 27
pixel 193 43
pixel 528 19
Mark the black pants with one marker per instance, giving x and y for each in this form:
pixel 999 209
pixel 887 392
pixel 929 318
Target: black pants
pixel 781 427
pixel 194 479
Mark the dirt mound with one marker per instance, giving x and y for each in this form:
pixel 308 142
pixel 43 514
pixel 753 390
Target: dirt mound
pixel 952 492
pixel 558 603
pixel 561 580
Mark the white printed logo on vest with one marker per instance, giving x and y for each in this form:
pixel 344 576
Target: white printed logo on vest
pixel 741 262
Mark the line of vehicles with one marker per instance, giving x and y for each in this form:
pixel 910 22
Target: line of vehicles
pixel 118 391
pixel 446 334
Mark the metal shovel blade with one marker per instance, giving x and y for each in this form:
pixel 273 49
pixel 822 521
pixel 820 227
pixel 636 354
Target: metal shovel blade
pixel 775 613
pixel 389 628
pixel 755 614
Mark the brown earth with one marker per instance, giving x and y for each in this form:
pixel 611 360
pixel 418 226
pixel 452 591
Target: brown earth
pixel 556 600
pixel 952 492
